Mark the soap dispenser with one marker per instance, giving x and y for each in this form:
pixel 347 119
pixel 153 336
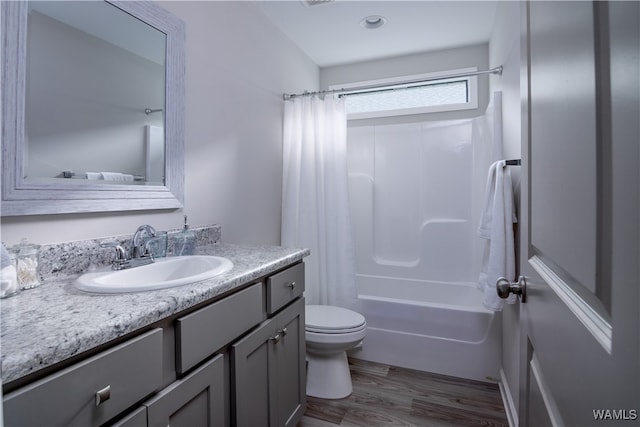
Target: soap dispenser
pixel 185 241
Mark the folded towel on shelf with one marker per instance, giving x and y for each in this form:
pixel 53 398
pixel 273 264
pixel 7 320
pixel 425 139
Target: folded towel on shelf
pixel 496 225
pixel 116 176
pixel 94 175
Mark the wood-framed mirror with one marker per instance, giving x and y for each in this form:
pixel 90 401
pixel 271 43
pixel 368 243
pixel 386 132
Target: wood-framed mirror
pixel 92 110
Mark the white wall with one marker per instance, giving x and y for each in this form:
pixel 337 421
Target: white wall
pixel 237 67
pixel 504 49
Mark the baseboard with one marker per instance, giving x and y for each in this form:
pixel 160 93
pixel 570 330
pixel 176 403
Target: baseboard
pixel 507 400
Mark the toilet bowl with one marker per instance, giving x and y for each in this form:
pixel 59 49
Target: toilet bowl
pixel 331 331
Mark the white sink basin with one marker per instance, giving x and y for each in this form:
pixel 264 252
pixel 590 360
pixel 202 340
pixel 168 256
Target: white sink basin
pixel 163 273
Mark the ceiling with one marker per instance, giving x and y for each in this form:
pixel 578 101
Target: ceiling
pixel 330 33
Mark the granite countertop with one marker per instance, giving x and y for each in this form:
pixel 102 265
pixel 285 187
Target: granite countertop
pixel 48 324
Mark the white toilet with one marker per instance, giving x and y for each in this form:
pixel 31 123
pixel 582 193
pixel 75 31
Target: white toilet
pixel 330 332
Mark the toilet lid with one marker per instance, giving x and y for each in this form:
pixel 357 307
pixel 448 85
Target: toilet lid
pixel 331 319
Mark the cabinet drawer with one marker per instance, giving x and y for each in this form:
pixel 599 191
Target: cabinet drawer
pixel 284 287
pixel 131 371
pixel 203 332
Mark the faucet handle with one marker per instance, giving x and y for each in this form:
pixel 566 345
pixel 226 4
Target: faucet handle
pixel 140 239
pixel 121 253
pixel 145 251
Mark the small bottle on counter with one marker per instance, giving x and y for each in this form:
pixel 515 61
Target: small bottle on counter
pixel 27 264
pixel 185 241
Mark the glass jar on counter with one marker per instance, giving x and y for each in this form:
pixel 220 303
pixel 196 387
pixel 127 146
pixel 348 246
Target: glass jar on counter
pixel 157 245
pixel 27 264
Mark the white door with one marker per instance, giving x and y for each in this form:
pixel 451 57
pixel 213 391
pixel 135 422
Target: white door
pixel 580 214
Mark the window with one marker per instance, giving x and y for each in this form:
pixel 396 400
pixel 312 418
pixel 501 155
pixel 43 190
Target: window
pixel 397 98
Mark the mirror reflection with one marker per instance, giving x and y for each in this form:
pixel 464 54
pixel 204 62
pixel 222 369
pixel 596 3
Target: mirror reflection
pixel 94 96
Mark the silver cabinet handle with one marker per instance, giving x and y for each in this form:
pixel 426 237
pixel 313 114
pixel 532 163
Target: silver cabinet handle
pixel 290 285
pixel 282 332
pixel 103 395
pixel 504 287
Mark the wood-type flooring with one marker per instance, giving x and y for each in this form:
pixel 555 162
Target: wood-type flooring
pixel 386 395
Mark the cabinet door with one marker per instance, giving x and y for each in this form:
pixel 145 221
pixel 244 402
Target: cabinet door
pixel 137 418
pixel 253 392
pixel 269 371
pixel 196 400
pixel 290 375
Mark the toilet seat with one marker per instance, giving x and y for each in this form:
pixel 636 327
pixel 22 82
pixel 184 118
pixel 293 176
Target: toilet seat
pixel 325 319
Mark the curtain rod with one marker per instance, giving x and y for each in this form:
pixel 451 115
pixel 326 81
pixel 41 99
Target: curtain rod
pixel 496 70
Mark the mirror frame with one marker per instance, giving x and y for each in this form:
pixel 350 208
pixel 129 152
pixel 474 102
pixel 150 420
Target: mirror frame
pixel 19 197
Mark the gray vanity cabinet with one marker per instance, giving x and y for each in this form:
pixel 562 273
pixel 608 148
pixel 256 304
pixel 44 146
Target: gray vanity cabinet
pixel 284 287
pixel 92 391
pixel 205 331
pixel 200 398
pixel 268 375
pixel 239 360
pixel 137 418
pixel 290 374
pixel 195 400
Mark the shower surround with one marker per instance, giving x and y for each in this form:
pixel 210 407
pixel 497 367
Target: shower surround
pixel 415 193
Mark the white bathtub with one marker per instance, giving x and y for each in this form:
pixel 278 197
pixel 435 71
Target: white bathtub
pixel 430 326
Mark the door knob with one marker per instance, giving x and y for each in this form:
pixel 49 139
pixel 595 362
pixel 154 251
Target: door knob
pixel 504 287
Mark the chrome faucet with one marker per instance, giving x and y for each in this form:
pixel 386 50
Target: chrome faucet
pixel 140 254
pixel 141 237
pixel 121 259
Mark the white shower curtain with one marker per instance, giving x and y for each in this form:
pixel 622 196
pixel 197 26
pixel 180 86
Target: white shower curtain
pixel 315 198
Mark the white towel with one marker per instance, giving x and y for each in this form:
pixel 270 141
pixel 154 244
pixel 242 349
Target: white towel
pixel 496 225
pixel 116 176
pixel 94 175
pixel 8 274
pixel 8 281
